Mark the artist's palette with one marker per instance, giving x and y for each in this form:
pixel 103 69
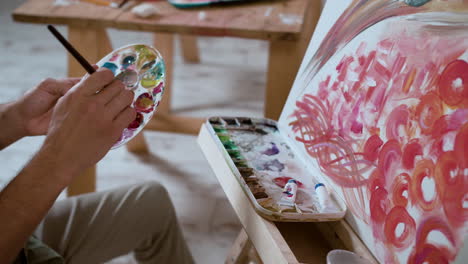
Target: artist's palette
pixel 263 162
pixel 197 3
pixel 141 69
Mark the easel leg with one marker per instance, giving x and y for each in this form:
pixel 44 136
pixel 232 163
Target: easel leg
pixel 93 44
pixel 283 63
pixel 243 251
pixel 189 48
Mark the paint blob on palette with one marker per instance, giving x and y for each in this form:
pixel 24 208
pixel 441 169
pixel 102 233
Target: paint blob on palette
pixel 265 165
pixel 141 68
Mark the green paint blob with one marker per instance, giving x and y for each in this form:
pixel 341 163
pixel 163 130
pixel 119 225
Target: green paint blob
pixel 416 3
pixel 230 145
pixel 240 164
pixel 235 154
pixel 159 69
pixel 148 83
pixel 224 138
pixel 219 129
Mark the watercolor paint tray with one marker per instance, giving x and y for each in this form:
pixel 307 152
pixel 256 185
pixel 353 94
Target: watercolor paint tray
pixel 199 3
pixel 262 162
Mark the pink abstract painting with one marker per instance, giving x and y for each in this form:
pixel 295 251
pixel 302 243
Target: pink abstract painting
pixel 381 112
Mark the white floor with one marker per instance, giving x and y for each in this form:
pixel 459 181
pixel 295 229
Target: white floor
pixel 229 80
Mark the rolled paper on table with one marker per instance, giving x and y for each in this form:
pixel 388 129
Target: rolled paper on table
pixel 145 10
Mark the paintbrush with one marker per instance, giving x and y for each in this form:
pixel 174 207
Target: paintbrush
pixel 88 67
pixel 123 3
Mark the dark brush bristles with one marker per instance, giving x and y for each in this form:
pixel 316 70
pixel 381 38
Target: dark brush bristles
pixel 123 3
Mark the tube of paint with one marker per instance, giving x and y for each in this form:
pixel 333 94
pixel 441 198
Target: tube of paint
pixel 288 197
pixel 324 198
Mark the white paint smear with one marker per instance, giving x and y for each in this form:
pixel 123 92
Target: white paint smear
pixel 268 11
pixel 63 2
pixel 201 15
pixel 290 19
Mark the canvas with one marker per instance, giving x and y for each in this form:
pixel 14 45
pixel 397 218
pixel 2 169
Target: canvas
pixel 380 111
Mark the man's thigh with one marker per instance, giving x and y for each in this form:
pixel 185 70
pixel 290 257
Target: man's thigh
pixel 96 227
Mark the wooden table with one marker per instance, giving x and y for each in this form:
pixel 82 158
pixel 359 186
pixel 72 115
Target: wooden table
pixel 286 24
pixel 276 242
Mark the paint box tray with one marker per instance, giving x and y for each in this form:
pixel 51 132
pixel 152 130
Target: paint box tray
pixel 262 161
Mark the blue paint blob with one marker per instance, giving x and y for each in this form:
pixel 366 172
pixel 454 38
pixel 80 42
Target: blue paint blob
pixel 273 165
pixel 271 151
pixel 416 3
pixel 158 70
pixel 127 61
pixel 111 66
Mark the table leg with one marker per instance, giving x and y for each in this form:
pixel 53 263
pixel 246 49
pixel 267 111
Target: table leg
pixel 164 42
pixel 93 44
pixel 285 57
pixel 138 144
pixel 189 48
pixel 243 251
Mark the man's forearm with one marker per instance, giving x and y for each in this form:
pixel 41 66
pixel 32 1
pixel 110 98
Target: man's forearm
pixel 11 124
pixel 25 202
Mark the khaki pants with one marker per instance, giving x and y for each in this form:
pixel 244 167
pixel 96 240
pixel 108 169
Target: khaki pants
pixel 96 227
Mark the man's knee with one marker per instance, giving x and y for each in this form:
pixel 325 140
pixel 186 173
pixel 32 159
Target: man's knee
pixel 155 198
pixel 154 191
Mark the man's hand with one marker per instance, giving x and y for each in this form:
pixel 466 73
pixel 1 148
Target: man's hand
pixel 86 122
pixel 30 115
pixel 36 106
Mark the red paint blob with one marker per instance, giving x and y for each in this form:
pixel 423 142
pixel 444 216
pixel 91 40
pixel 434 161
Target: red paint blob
pixel 428 111
pixel 451 187
pixel 396 216
pixel 389 157
pixel 398 117
pixel 446 164
pixel 461 146
pixel 400 184
pixel 424 168
pixel 376 180
pixel 424 252
pixel 453 83
pixel 429 254
pixel 281 181
pixel 453 200
pixel 144 103
pixel 410 151
pixel 371 148
pixel 137 122
pixel 378 205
